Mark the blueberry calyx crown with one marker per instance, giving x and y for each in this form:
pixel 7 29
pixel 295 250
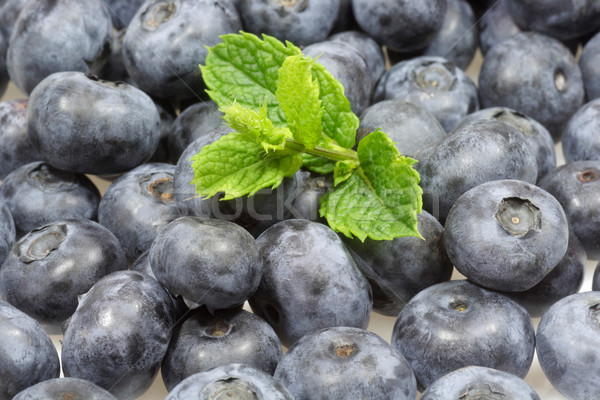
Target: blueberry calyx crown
pixel 436 76
pixel 483 391
pixel 40 242
pixel 588 176
pixel 230 389
pixel 160 188
pixel 159 14
pixel 518 216
pixel 50 179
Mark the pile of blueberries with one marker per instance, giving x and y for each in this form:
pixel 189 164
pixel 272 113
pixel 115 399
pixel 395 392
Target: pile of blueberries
pixel 149 277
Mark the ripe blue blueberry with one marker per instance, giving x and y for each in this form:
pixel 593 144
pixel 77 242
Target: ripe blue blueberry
pixel 580 140
pixel 65 389
pixel 589 62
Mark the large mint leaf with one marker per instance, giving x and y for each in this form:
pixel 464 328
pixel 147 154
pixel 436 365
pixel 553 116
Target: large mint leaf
pixel 381 198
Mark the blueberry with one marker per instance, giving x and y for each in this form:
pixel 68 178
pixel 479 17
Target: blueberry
pixel 471 155
pixel 33 54
pixel 64 389
pixel 576 186
pixel 496 25
pixel 596 278
pixel 114 68
pixel 342 363
pixel 302 22
pixel 401 26
pixel 28 355
pixel 580 141
pixel 589 62
pixel 367 47
pixel 9 11
pixel 4 78
pixel 310 188
pixel 52 265
pixel 411 128
pixel 119 334
pixel 8 232
pixel 309 281
pixel 506 234
pixel 456 324
pixel 167 116
pixel 232 381
pixel 167 39
pixel 138 205
pixel 566 345
pixel 433 83
pixel 399 269
pixel 534 75
pixel 15 147
pixel 122 11
pixel 206 261
pixel 204 341
pixel 479 383
pixel 37 194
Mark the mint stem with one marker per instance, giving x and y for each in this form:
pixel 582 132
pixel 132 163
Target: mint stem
pixel 336 153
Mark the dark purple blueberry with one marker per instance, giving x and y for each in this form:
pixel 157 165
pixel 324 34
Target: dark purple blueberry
pixel 8 232
pixel 589 62
pixel 37 194
pixel 495 25
pixel 309 281
pixel 580 139
pixel 83 43
pixel 204 341
pixel 64 389
pixel 534 75
pixel 456 324
pixel 367 47
pixel 342 363
pixel 121 11
pixel 119 334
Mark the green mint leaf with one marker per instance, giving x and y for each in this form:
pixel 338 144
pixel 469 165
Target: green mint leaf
pixel 381 198
pixel 298 96
pixel 343 170
pixel 237 166
pixel 317 164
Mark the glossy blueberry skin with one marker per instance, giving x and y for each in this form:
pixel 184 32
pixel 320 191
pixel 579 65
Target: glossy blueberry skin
pixel 411 128
pixel 302 22
pixel 566 345
pixel 456 324
pixel 433 83
pixel 16 148
pixel 52 265
pixel 576 186
pixel 8 232
pixel 122 11
pixel 349 67
pixel 534 75
pixel 28 355
pixel 506 234
pixel 341 363
pixel 401 26
pixel 495 26
pixel 82 124
pixel 64 388
pixel 367 47
pixel 309 281
pixel 536 135
pixel 589 63
pixel 138 205
pixel 220 270
pixel 471 155
pixel 166 40
pixel 479 382
pixel 580 141
pixel 233 380
pixel 458 38
pixel 564 280
pixel 119 334
pixel 33 54
pixel 37 194
pixel 399 269
pixel 204 341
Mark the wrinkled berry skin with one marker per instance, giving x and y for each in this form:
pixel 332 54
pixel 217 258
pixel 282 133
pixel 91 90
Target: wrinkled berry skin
pixel 456 324
pixel 534 75
pixel 367 47
pixel 204 341
pixel 82 124
pixel 28 355
pixel 399 269
pixel 479 383
pixel 206 261
pixel 37 194
pixel 8 232
pixel 65 388
pixel 309 281
pixel 15 147
pixel 138 205
pixel 302 22
pixel 576 186
pixel 341 363
pixel 506 234
pixel 33 54
pixel 433 83
pixel 495 26
pixel 52 265
pixel 589 62
pixel 401 26
pixel 566 345
pixel 121 11
pixel 119 334
pixel 411 128
pixel 471 155
pixel 580 140
pixel 231 380
pixel 167 39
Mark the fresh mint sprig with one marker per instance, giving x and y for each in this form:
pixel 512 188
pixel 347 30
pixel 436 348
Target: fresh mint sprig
pixel 288 111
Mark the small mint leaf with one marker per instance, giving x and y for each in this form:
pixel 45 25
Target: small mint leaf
pixel 343 170
pixel 317 164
